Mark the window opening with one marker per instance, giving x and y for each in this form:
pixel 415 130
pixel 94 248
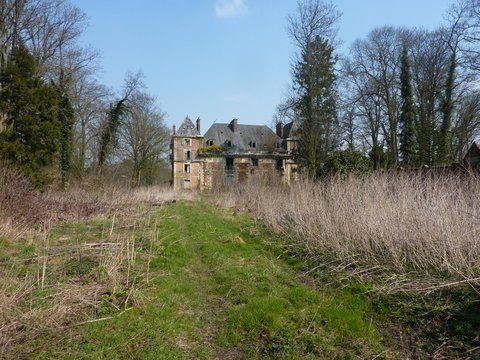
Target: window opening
pixel 279 164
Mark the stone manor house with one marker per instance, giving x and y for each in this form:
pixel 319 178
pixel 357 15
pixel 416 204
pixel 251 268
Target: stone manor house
pixel 231 153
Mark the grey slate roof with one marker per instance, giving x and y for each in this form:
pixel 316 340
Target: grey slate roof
pixel 290 130
pixel 188 128
pixel 263 137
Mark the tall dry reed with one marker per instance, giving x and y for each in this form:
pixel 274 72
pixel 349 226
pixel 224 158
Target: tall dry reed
pixel 401 221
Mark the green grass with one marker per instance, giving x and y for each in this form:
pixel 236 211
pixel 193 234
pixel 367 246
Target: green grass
pixel 220 288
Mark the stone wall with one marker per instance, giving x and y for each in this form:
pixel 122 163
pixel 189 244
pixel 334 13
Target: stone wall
pixel 217 174
pixel 207 172
pixel 181 178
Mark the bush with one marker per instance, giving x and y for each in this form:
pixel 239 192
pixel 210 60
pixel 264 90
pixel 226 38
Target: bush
pixel 346 162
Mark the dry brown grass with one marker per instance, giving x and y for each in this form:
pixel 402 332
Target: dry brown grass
pixel 63 285
pixel 408 223
pixel 22 208
pixel 38 294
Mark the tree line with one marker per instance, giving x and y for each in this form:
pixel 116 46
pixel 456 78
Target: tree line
pixel 400 97
pixel 58 122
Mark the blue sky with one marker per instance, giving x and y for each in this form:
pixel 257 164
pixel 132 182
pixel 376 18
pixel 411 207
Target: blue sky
pixel 220 59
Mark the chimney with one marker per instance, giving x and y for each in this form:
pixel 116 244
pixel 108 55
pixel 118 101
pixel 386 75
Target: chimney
pixel 280 129
pixel 174 130
pixel 234 125
pixel 198 125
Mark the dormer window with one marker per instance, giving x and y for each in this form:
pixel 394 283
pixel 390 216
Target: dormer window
pixel 228 143
pixel 252 144
pixel 209 142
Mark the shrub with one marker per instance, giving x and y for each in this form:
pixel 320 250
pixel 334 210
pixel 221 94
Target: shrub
pixel 345 162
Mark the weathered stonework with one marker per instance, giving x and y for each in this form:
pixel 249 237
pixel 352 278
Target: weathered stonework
pixel 228 154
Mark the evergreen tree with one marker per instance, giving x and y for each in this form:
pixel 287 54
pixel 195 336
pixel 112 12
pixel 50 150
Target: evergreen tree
pixel 408 143
pixel 314 80
pixel 444 152
pixel 66 119
pixel 29 108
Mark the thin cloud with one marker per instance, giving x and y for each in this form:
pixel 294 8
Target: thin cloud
pixel 230 8
pixel 236 98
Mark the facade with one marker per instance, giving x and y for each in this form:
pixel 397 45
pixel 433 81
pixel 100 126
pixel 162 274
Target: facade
pixel 231 153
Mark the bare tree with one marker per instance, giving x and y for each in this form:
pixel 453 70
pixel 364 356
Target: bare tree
pixel 49 29
pixel 463 31
pixel 467 125
pixel 90 100
pixel 54 27
pixel 374 67
pixel 109 132
pixel 143 137
pixel 313 19
pixel 12 22
pixel 362 102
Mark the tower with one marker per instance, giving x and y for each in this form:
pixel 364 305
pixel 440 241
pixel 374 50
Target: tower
pixel 186 166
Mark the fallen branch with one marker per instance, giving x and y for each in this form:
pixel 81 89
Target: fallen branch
pixel 436 287
pixel 101 319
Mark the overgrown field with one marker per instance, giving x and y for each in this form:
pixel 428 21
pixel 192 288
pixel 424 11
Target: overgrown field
pixel 187 281
pixel 405 223
pixel 354 268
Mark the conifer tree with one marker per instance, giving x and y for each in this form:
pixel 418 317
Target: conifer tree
pixel 314 78
pixel 29 108
pixel 313 29
pixel 408 141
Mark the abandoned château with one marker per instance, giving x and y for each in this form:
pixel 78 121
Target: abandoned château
pixel 231 153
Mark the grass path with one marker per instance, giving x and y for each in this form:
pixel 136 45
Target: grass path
pixel 221 289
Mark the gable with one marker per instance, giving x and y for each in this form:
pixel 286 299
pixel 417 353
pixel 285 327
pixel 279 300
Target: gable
pixel 188 128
